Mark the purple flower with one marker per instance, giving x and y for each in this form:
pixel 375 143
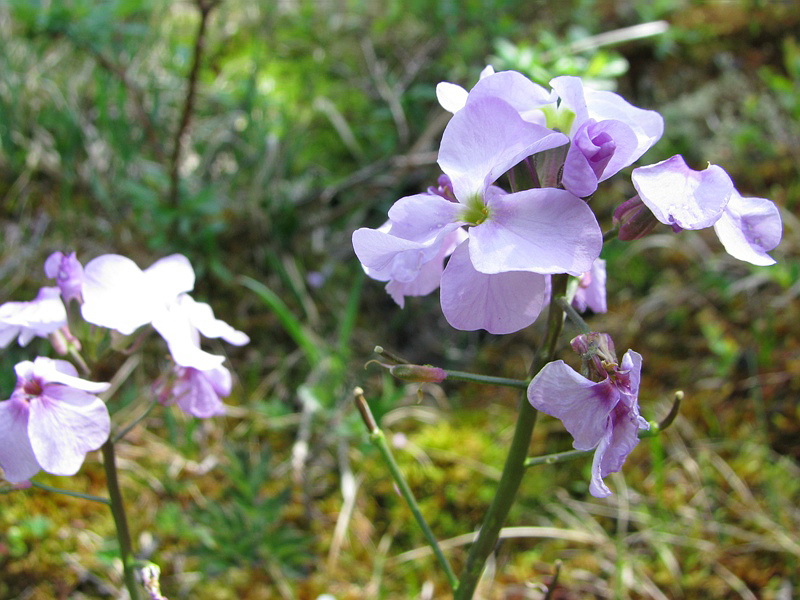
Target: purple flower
pixel 51 420
pixel 749 228
pixel 591 292
pixel 687 199
pixel 26 320
pixel 119 295
pixel 495 280
pixel 198 393
pixel 67 272
pixel 682 197
pixel 603 415
pixel 607 134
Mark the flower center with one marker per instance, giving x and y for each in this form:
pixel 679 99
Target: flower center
pixel 475 212
pixel 32 388
pixel 559 119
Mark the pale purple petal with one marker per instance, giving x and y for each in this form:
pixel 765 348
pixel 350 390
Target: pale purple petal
pixel 484 140
pixel 526 97
pixel 59 371
pixel 16 454
pixel 543 230
pixel 423 217
pixel 417 229
pixel 647 125
pixel 64 425
pixel 679 196
pixel 116 295
pixel 7 334
pixel 583 406
pixel 39 317
pixel 183 340
pixel 598 151
pixel 597 486
pixel 169 277
pixel 591 292
pixel 571 93
pixel 202 318
pixel 68 273
pixel 631 368
pixel 749 228
pixel 199 393
pixel 119 295
pixel 614 448
pixel 501 303
pixel 429 274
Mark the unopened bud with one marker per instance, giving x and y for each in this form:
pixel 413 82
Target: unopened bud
pixel 418 373
pixel 63 341
pixel 633 219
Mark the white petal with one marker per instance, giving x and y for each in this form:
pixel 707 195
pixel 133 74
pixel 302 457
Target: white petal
pixel 451 97
pixel 116 294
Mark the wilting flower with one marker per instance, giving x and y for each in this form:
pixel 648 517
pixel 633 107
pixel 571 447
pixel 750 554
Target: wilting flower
pixel 119 295
pixel 497 278
pixel 68 273
pixel 51 421
pixel 26 320
pixel 687 199
pixel 197 393
pixel 603 415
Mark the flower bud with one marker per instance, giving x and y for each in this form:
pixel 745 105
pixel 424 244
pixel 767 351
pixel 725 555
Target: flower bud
pixel 444 188
pixel 418 373
pixel 63 341
pixel 634 219
pixel 67 272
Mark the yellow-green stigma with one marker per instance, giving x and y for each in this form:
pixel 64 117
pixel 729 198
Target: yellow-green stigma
pixel 559 119
pixel 475 212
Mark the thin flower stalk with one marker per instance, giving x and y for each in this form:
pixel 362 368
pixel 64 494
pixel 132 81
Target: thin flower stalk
pixel 514 467
pixel 120 520
pixel 378 440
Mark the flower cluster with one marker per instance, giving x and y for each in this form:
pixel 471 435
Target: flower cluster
pixel 491 244
pixel 491 249
pixel 53 417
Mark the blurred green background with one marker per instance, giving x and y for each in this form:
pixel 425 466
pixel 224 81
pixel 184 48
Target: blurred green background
pixel 256 153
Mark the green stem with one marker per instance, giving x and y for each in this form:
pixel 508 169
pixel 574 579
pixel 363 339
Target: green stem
pixel 551 459
pixel 487 379
pixel 55 490
pixel 573 315
pixel 514 466
pixel 610 234
pixel 120 520
pixel 134 423
pixel 378 439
